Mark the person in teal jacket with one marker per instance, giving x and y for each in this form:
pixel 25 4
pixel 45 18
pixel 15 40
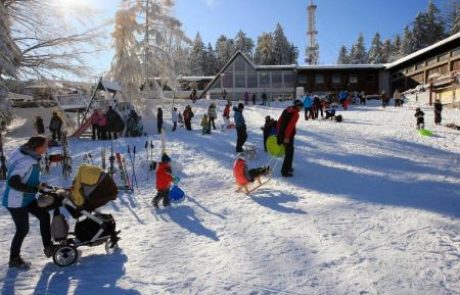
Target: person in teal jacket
pixel 23 183
pixel 308 106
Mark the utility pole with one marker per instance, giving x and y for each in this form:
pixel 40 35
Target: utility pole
pixel 312 51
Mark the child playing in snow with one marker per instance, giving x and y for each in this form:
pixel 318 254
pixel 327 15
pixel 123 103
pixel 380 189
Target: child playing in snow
pixel 164 179
pixel 243 175
pixel 420 119
pixel 330 111
pixel 267 130
pixel 205 124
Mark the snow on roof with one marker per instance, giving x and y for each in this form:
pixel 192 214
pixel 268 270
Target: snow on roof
pixel 113 86
pixel 195 78
pixel 341 66
pixel 422 51
pixel 270 67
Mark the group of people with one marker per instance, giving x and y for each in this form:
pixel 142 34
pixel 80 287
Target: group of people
pixel 106 125
pixel 55 126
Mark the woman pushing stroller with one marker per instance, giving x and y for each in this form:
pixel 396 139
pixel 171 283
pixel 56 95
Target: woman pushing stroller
pixel 23 183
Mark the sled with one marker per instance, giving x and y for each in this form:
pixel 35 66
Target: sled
pixel 248 188
pixel 425 132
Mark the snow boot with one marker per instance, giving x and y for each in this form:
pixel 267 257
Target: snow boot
pixel 18 263
pixel 49 250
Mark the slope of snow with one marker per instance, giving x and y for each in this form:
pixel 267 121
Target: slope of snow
pixel 373 209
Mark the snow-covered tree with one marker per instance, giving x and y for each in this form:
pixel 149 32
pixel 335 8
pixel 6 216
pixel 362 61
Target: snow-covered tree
pixel 224 50
pixel 375 51
pixel 244 44
pixel 198 56
pixel 281 46
pixel 343 58
pixel 38 41
pixel 435 27
pixel 156 47
pixel 265 50
pixel 455 19
pixel 386 51
pixel 396 44
pixel 293 54
pixel 211 61
pixel 407 43
pixel 358 54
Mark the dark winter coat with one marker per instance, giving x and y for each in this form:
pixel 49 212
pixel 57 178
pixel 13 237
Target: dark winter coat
pixel 420 116
pixel 55 123
pixel 286 124
pixel 114 121
pixel 40 126
pixel 238 117
pixel 160 117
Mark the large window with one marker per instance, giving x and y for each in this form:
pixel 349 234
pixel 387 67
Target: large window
pixel 277 79
pixel 240 80
pixel 289 79
pixel 353 79
pixel 319 79
pixel 336 79
pixel 252 79
pixel 302 79
pixel 264 79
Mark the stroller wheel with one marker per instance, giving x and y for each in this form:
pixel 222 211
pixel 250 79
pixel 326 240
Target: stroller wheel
pixel 111 247
pixel 65 256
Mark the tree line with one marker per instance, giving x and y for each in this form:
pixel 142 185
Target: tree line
pixel 427 28
pixel 270 49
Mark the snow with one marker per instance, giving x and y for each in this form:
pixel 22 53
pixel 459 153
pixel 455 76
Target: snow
pixel 373 208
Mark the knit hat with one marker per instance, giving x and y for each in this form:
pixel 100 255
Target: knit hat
pixel 165 158
pixel 241 106
pixel 298 103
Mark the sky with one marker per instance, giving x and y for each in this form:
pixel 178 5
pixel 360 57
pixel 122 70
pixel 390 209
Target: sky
pixel 338 21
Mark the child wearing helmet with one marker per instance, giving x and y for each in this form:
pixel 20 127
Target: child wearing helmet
pixel 420 119
pixel 164 180
pixel 243 175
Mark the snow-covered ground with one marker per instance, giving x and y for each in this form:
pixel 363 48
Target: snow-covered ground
pixel 374 208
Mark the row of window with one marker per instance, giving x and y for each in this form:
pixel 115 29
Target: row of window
pixel 335 79
pixel 432 61
pixel 253 79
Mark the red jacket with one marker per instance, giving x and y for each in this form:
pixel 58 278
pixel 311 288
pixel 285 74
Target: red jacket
pixel 227 112
pixel 288 128
pixel 239 171
pixel 164 177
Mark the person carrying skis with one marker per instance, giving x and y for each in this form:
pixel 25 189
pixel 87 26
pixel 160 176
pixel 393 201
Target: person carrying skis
pixel 241 134
pixel 437 112
pixel 286 133
pixel 22 185
pixel 419 114
pixel 164 179
pixel 159 120
pixel 243 175
pixel 174 118
pixel 56 126
pixel 39 126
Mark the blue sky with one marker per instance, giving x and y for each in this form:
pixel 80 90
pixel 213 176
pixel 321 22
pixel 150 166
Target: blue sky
pixel 338 21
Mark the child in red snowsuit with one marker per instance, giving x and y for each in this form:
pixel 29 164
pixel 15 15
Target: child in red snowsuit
pixel 164 180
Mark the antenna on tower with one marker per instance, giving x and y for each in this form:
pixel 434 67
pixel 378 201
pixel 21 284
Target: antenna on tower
pixel 312 51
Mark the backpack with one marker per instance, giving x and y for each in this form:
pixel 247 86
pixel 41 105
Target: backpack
pixel 338 118
pixel 59 226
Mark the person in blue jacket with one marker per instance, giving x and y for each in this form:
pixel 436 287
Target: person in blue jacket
pixel 240 123
pixel 22 184
pixel 308 105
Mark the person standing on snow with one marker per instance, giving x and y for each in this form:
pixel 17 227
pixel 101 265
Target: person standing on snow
pixel 419 114
pixel 212 115
pixel 188 115
pixel 240 123
pixel 22 185
pixel 56 126
pixel 174 118
pixel 39 125
pixel 226 114
pixel 159 120
pixel 437 112
pixel 286 133
pixel 164 179
pixel 308 104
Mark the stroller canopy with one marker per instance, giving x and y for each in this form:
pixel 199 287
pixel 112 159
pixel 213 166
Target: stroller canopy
pixel 92 188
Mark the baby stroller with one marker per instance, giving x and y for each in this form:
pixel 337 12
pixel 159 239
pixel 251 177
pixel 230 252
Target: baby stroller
pixel 92 188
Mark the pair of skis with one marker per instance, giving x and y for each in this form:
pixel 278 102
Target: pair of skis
pixel 132 158
pixel 123 173
pixel 67 160
pixel 149 155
